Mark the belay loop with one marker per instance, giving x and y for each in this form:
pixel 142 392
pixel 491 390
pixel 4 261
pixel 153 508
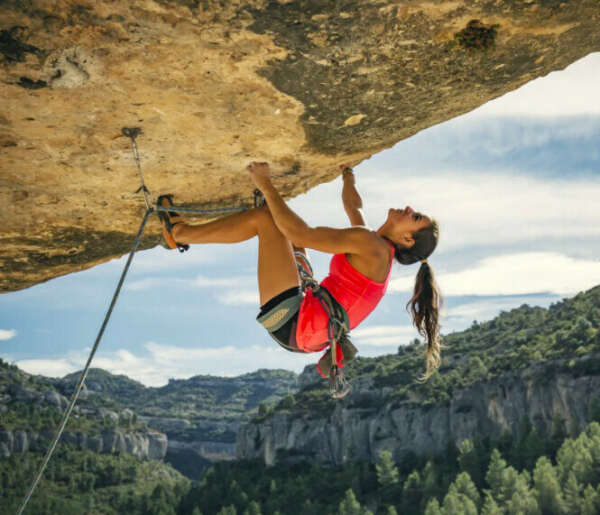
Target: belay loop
pixel 338 323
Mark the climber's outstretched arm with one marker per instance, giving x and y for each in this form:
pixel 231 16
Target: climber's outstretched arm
pixel 352 201
pixel 353 240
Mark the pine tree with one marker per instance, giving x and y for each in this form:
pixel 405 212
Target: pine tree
pixel 508 487
pixel 387 473
pixel 412 493
pixel 429 481
pixel 458 504
pixel 253 509
pixel 391 511
pixel 465 486
pixel 591 501
pixel 227 510
pixel 547 487
pixel 349 505
pixel 523 500
pixel 533 448
pixel 495 473
pixel 572 495
pixel 196 511
pixel 433 507
pixel 490 507
pixel 468 460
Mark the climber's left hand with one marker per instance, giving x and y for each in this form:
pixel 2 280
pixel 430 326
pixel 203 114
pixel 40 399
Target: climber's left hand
pixel 260 174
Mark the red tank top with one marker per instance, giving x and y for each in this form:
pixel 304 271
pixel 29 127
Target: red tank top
pixel 358 294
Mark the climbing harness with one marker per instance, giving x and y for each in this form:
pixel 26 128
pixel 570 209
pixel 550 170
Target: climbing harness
pixel 338 324
pixel 258 200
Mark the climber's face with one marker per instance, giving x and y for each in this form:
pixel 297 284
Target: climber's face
pixel 401 224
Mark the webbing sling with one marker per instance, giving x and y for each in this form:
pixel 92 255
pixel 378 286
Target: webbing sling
pixel 338 324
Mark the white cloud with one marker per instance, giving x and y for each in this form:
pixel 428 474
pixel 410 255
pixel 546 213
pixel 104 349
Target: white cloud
pixel 486 308
pixel 48 367
pixel 222 282
pixel 159 259
pixel 230 291
pixel 492 209
pixel 149 283
pixel 161 362
pixel 384 335
pixel 516 274
pixel 240 297
pixel 572 91
pixel 7 334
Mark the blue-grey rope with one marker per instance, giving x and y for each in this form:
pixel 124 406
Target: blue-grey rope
pixel 132 133
pixel 84 372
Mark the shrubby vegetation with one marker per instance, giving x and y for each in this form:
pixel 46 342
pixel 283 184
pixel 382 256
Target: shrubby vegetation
pixel 78 482
pixel 564 337
pixel 528 475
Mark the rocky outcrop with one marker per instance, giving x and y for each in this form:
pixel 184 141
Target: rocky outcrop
pixel 304 85
pixel 365 424
pixel 148 445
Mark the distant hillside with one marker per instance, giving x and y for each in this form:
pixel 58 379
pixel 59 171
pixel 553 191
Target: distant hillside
pixel 521 383
pixel 200 416
pixel 541 363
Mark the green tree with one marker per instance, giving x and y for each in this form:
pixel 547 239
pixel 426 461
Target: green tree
pixel 253 509
pixel 288 402
pixel 387 473
pixel 430 481
pixel 412 493
pixel 391 510
pixel 227 510
pixel 559 434
pixel 490 507
pixel 465 486
pixel 456 503
pixel 495 475
pixel 433 507
pixel 468 460
pixel 509 483
pixel 349 505
pixel 196 511
pixel 533 448
pixel 523 500
pixel 547 487
pixel 572 495
pixel 591 501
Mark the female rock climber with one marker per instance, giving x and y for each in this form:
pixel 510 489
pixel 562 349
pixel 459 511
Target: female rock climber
pixel 359 271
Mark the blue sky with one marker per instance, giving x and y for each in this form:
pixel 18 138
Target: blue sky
pixel 513 184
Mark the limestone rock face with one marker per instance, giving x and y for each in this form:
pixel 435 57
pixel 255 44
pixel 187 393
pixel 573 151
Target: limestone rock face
pixel 483 410
pixel 305 85
pixel 143 445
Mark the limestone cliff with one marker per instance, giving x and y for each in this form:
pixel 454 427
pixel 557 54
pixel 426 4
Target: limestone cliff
pixel 364 426
pixel 303 84
pixel 143 445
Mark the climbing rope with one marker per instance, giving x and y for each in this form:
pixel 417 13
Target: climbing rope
pixel 132 133
pixel 85 370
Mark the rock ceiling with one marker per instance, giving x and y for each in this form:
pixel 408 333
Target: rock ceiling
pixel 305 85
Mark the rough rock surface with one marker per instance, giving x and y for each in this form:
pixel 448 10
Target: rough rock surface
pixel 306 85
pixel 148 445
pixel 485 409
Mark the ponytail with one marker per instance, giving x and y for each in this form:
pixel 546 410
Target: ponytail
pixel 424 306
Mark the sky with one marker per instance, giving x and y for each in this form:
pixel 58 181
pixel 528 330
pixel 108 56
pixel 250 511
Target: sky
pixel 514 186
